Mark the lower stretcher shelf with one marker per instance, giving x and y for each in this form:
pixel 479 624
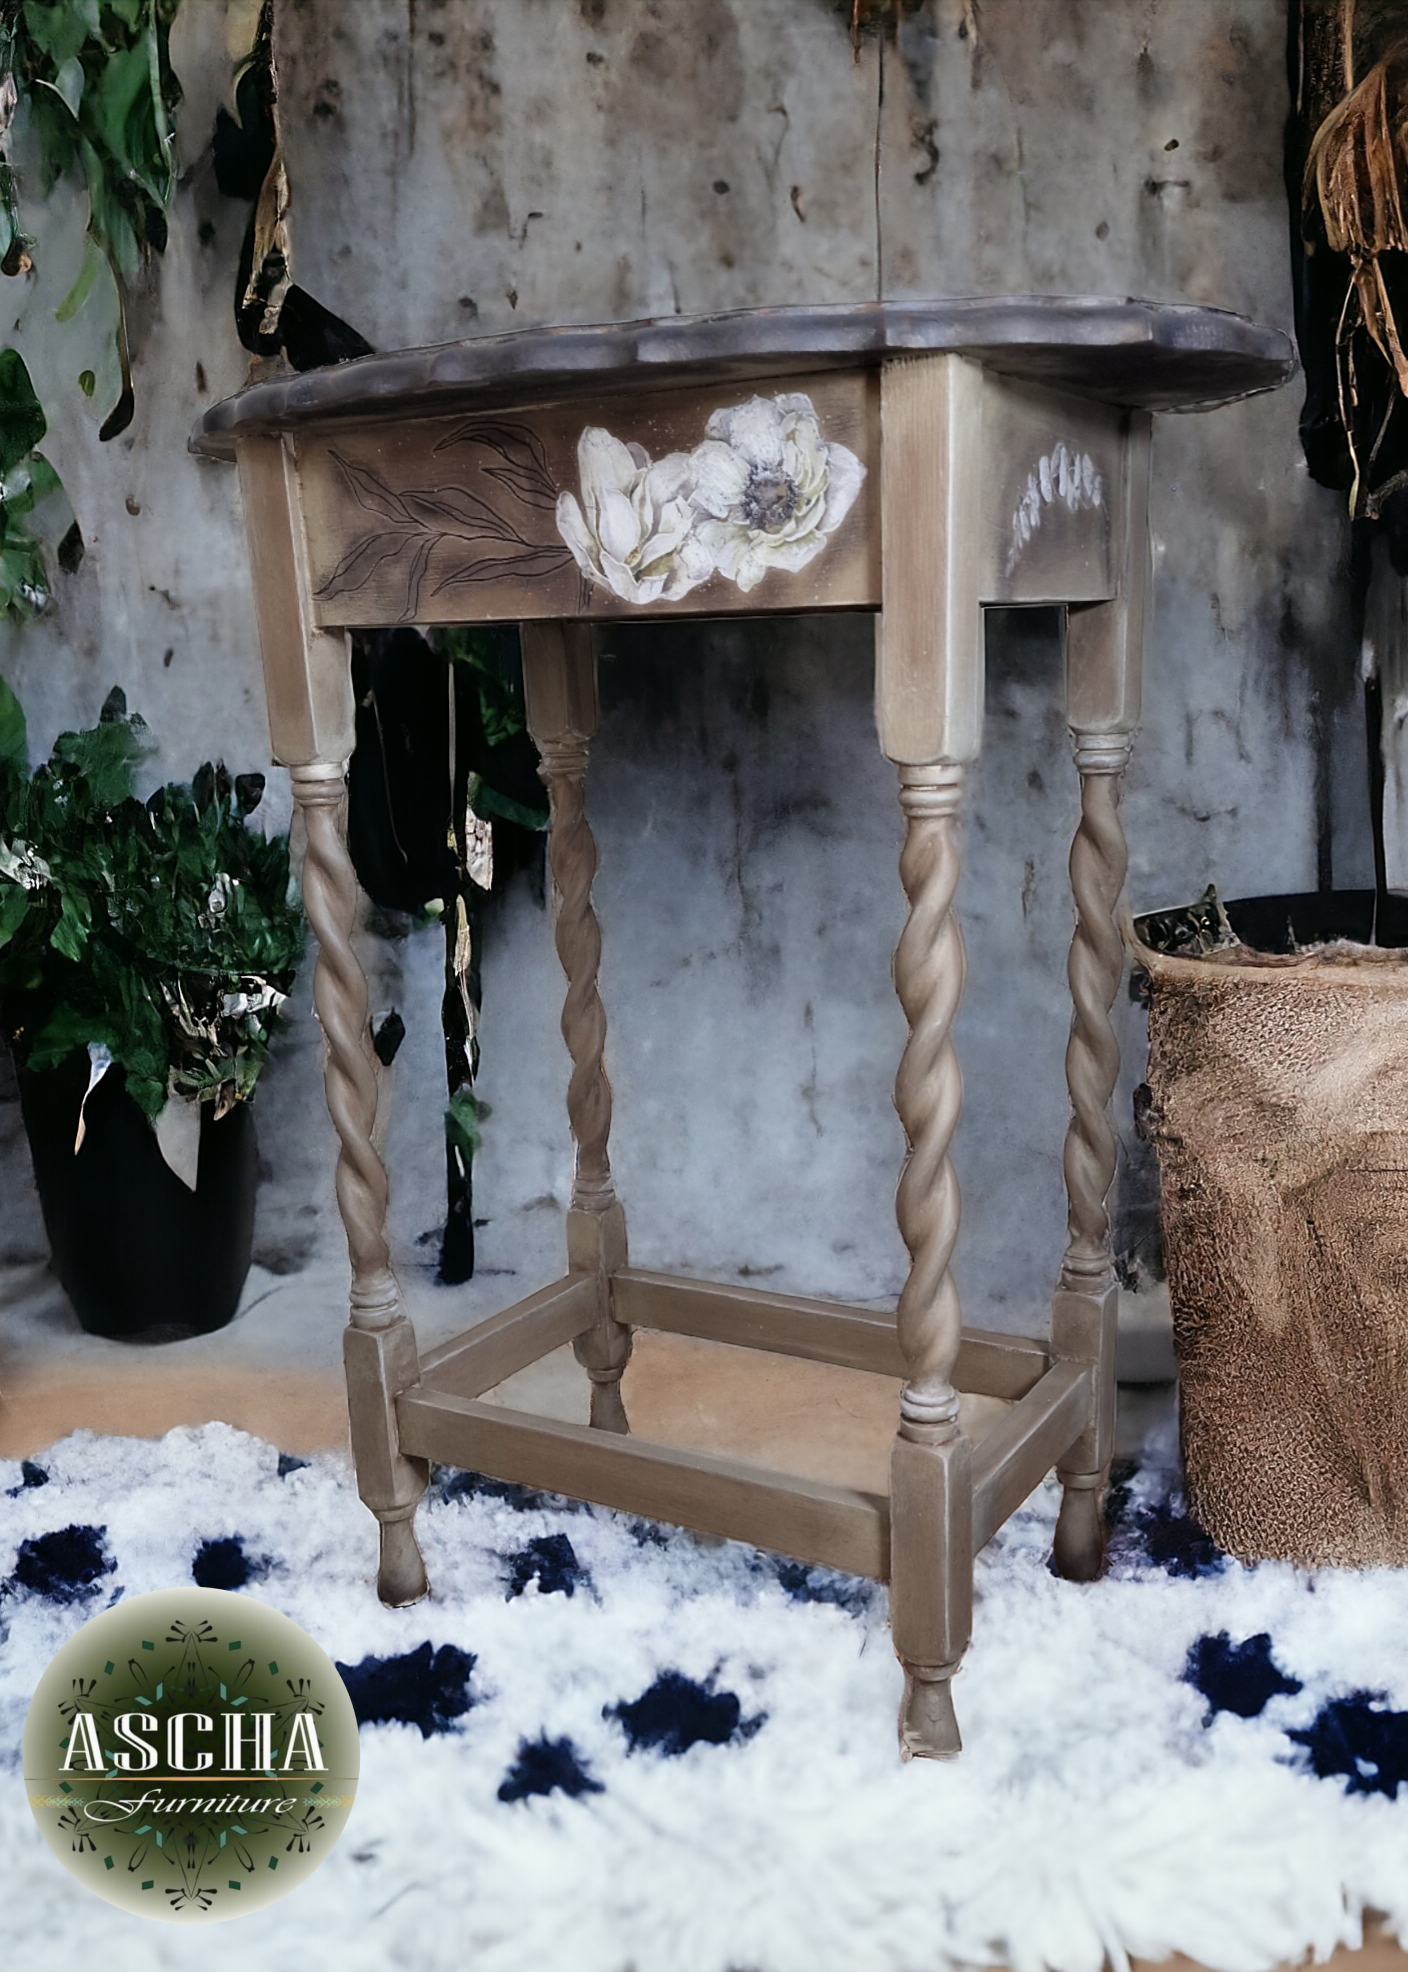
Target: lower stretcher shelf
pixel 692 1391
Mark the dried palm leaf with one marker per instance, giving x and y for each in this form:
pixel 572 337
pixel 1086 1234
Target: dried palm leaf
pixel 1358 168
pixel 1357 175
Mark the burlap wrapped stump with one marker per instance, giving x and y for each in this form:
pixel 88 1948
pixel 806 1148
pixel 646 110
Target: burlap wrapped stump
pixel 1279 1109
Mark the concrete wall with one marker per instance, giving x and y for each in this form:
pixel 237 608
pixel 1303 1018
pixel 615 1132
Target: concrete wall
pixel 465 167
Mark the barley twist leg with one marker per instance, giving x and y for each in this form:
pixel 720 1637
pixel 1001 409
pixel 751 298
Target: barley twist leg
pixel 931 1485
pixel 379 1345
pixel 596 1227
pixel 1085 1308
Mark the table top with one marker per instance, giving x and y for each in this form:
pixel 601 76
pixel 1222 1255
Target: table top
pixel 1157 356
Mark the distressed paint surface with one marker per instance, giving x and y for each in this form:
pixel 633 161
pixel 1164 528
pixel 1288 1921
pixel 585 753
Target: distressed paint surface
pixel 584 160
pixel 551 161
pixel 448 519
pixel 1087 148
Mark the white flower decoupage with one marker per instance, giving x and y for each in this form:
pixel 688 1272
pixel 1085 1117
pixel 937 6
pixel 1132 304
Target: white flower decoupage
pixel 769 488
pixel 634 531
pixel 762 490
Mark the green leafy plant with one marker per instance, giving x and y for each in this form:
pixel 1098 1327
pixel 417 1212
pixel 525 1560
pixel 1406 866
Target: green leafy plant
pixel 465 1114
pixel 162 931
pixel 498 678
pixel 96 81
pixel 27 481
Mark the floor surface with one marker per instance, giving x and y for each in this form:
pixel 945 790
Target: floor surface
pixel 276 1373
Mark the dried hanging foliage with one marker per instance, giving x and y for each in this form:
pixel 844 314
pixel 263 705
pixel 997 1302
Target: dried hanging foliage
pixel 1355 205
pixel 1356 167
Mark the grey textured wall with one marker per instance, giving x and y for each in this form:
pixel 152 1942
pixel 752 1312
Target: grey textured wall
pixel 472 166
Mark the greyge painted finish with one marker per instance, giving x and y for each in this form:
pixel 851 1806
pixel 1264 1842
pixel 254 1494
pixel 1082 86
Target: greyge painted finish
pixel 748 826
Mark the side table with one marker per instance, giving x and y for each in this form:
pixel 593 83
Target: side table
pixel 921 460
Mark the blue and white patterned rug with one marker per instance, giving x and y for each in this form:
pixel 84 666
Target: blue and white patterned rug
pixel 603 1745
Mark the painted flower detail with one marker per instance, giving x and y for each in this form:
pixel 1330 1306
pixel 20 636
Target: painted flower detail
pixel 762 490
pixel 768 487
pixel 1061 477
pixel 634 530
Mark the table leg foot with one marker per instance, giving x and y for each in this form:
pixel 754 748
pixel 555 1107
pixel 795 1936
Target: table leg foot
pixel 401 1578
pixel 596 1244
pixel 928 1722
pixel 1078 1550
pixel 931 1581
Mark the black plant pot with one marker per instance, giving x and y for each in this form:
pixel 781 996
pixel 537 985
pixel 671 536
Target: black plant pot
pixel 1314 917
pixel 142 1258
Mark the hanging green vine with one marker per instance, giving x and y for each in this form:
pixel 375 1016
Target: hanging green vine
pixel 92 81
pixel 94 78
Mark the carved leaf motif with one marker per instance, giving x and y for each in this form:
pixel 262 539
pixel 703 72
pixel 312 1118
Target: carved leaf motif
pixel 417 573
pixel 517 445
pixel 422 519
pixel 531 487
pixel 530 562
pixel 370 492
pixel 463 512
pixel 361 562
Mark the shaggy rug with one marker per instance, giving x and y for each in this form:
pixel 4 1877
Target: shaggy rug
pixel 604 1745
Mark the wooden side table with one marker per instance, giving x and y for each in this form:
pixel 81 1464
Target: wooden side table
pixel 919 460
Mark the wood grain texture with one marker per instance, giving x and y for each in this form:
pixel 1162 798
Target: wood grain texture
pixel 307 670
pixel 989 1364
pixel 453 519
pixel 560 681
pixel 1050 496
pixel 1104 667
pixel 379 1345
pixel 831 1525
pixel 1084 1332
pixel 929 971
pixel 931 1585
pixel 559 677
pixel 1105 641
pixel 929 642
pixel 931 1592
pixel 1098 862
pixel 1157 356
pixel 784 1413
pixel 485 1355
pixel 596 1244
pixel 1085 1306
pixel 1018 1452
